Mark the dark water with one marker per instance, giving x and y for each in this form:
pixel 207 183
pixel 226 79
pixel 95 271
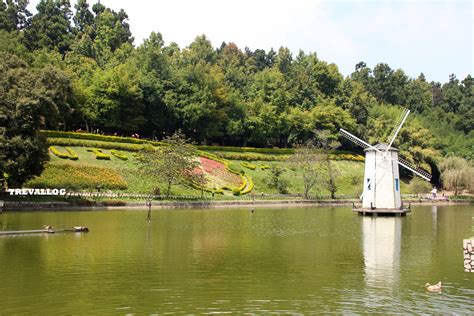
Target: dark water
pixel 299 260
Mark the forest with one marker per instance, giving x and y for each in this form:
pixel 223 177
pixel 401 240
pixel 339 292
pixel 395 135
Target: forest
pixel 78 68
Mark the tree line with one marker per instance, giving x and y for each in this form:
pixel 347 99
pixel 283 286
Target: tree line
pixel 77 68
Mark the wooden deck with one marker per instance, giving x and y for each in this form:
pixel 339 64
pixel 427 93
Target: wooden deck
pixel 382 211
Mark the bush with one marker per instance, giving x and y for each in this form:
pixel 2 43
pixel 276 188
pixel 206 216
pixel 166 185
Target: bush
pixel 99 154
pixel 72 154
pixel 58 153
pixel 119 155
pixel 92 143
pixel 282 151
pixel 236 192
pixel 249 187
pixel 251 156
pixel 97 137
pixel 264 167
pixel 248 165
pixel 345 156
pixel 68 154
pixel 418 186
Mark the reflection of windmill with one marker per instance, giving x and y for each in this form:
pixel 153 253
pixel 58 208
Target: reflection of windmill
pixel 381 178
pixel 382 245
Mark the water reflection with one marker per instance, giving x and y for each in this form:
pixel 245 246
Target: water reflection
pixel 381 243
pixel 434 219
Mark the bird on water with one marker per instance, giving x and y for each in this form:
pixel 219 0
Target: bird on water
pixel 434 288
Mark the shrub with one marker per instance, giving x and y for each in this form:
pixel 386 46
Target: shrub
pixel 99 154
pixel 264 167
pixel 72 154
pixel 58 153
pixel 251 156
pixel 345 156
pixel 119 155
pixel 236 192
pixel 249 187
pixel 283 151
pixel 68 154
pixel 97 137
pixel 92 143
pixel 248 165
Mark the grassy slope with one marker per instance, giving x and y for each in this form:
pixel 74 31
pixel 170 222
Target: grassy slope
pixel 137 182
pixel 348 181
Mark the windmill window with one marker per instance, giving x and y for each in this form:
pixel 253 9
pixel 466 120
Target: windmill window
pixel 396 184
pixel 368 184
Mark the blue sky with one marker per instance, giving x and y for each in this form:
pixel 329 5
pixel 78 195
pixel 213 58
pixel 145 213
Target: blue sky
pixel 433 37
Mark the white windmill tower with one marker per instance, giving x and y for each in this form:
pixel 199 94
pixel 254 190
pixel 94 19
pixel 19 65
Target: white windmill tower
pixel 381 178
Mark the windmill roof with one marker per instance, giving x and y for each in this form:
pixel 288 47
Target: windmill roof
pixel 381 146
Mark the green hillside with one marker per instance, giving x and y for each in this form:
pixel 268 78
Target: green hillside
pixel 78 168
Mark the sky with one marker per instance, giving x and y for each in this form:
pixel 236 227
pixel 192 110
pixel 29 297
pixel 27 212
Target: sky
pixel 433 37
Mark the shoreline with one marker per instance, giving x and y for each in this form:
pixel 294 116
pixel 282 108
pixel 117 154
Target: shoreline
pixel 68 206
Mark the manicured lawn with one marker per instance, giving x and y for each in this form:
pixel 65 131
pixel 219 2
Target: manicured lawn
pixel 125 176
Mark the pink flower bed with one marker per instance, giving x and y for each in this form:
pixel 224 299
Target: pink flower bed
pixel 218 172
pixel 210 165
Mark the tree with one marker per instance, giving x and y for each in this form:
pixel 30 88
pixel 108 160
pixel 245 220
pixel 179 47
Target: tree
pixel 51 27
pixel 13 15
pixel 457 174
pixel 275 181
pixel 327 144
pixel 23 107
pixel 308 159
pixel 174 162
pixel 117 98
pixel 83 17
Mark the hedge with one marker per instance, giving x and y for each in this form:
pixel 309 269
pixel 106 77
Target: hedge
pixel 58 153
pixel 68 154
pixel 248 165
pixel 72 154
pixel 226 152
pixel 249 187
pixel 250 156
pixel 99 154
pixel 282 151
pixel 93 143
pixel 97 137
pixel 119 155
pixel 264 167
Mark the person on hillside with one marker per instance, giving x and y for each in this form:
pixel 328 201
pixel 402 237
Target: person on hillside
pixel 433 192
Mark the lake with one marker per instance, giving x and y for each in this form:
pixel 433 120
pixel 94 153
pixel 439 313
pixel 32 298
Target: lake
pixel 279 260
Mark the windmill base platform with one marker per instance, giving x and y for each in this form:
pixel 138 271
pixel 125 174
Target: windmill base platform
pixel 382 211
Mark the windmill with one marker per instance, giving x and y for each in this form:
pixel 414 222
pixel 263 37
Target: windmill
pixel 381 176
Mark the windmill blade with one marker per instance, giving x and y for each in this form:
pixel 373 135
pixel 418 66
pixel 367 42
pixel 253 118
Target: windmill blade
pixel 356 140
pixel 425 175
pixel 397 130
pixel 399 120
